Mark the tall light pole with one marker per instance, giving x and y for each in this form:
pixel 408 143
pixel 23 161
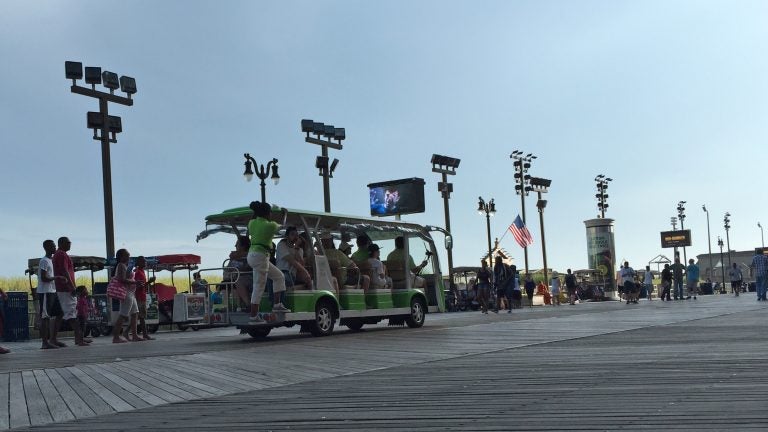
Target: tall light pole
pixel 489 208
pixel 541 185
pixel 261 172
pixel 673 221
pixel 709 241
pixel 446 166
pixel 522 162
pixel 762 239
pixel 681 216
pixel 727 226
pixel 602 197
pixel 329 132
pixel 722 265
pixel 105 127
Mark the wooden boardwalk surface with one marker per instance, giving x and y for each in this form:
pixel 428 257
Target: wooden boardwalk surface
pixel 609 366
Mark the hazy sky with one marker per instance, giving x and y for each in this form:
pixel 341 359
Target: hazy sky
pixel 669 98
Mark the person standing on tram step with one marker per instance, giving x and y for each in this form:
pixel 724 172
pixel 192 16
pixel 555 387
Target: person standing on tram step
pixel 47 300
pixel 65 291
pixel 261 230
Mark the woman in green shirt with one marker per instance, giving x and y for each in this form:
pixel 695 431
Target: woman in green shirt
pixel 261 230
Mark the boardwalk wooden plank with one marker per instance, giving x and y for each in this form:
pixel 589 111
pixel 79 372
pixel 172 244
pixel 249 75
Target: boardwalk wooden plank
pixel 56 405
pixel 129 386
pixel 4 401
pixel 74 402
pixel 17 405
pixel 38 409
pixel 94 402
pixel 158 388
pixel 109 398
pixel 223 378
pixel 207 385
pixel 124 394
pixel 236 377
pixel 151 373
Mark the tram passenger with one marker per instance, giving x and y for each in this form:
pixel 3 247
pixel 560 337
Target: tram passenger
pixel 238 259
pixel 290 254
pixel 379 278
pixel 361 254
pixel 398 255
pixel 345 247
pixel 346 264
pixel 261 230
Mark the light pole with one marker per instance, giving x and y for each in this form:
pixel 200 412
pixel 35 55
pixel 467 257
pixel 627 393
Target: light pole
pixel 681 216
pixel 762 239
pixel 489 209
pixel 446 166
pixel 522 187
pixel 727 226
pixel 602 197
pixel 105 127
pixel 673 221
pixel 330 133
pixel 541 185
pixel 709 241
pixel 722 265
pixel 261 172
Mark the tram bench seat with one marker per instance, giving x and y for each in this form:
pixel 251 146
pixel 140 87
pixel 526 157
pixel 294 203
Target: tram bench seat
pixel 397 272
pixel 296 287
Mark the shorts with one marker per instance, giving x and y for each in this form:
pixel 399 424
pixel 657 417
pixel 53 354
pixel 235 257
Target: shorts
pixel 692 285
pixel 736 284
pixel 129 306
pixel 48 305
pixel 142 309
pixel 68 304
pixel 517 295
pixel 500 292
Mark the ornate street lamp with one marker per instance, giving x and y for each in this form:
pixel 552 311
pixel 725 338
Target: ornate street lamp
pixel 489 208
pixel 262 173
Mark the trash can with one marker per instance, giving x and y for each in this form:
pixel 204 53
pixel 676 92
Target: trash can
pixel 16 317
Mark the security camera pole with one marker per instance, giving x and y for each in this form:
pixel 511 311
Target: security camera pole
pixel 105 127
pixel 329 132
pixel 445 166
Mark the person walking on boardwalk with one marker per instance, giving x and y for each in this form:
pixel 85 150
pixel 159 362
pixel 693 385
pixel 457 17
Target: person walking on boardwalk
pixel 666 283
pixel 530 288
pixel 759 269
pixel 555 282
pixel 571 285
pixel 47 300
pixel 140 276
pixel 627 274
pixel 736 277
pixel 129 308
pixel 483 286
pixel 692 279
pixel 678 270
pixel 65 291
pixel 261 231
pixel 501 275
pixel 648 282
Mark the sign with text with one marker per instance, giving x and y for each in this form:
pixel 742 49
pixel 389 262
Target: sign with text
pixel 672 239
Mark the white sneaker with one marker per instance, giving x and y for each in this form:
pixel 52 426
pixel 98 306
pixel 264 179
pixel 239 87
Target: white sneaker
pixel 278 307
pixel 257 319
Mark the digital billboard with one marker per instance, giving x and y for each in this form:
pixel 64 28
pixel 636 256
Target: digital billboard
pixel 397 197
pixel 679 238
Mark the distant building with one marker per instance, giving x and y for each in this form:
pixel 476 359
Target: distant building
pixel 742 258
pixel 497 250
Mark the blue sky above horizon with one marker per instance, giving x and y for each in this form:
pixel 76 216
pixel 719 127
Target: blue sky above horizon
pixel 670 99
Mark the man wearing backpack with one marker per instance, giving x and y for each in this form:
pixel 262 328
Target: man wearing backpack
pixel 570 285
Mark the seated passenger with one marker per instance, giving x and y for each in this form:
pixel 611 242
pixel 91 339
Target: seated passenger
pixel 347 277
pixel 361 254
pixel 238 259
pixel 379 278
pixel 345 247
pixel 199 285
pixel 290 258
pixel 398 255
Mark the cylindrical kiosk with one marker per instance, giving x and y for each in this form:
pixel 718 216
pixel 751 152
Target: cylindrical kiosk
pixel 601 253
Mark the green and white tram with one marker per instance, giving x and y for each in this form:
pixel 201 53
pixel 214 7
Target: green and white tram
pixel 317 308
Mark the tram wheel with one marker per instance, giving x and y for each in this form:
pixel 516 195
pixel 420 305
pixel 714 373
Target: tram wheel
pixel 354 324
pixel 418 313
pixel 259 332
pixel 324 319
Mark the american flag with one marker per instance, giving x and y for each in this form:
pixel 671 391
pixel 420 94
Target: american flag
pixel 521 233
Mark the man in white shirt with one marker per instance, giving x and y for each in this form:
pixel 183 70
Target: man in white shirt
pixel 47 299
pixel 628 281
pixel 648 281
pixel 289 256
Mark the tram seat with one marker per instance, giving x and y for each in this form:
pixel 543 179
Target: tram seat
pixel 342 274
pixel 397 272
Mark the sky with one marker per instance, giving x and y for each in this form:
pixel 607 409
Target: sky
pixel 668 98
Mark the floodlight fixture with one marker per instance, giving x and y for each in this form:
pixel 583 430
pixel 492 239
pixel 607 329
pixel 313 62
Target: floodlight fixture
pixel 492 207
pixel 307 126
pixel 92 75
pixel 333 167
pixel 115 124
pixel 73 70
pixel 340 134
pixel 321 162
pixel 541 204
pixel 110 80
pixel 95 120
pixel 275 176
pixel 128 85
pixel 318 128
pixel 329 131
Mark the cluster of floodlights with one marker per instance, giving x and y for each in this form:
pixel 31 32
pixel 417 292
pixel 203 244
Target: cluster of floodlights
pixel 324 136
pixel 489 208
pixel 681 212
pixel 602 197
pixel 522 163
pixel 93 76
pixel 727 222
